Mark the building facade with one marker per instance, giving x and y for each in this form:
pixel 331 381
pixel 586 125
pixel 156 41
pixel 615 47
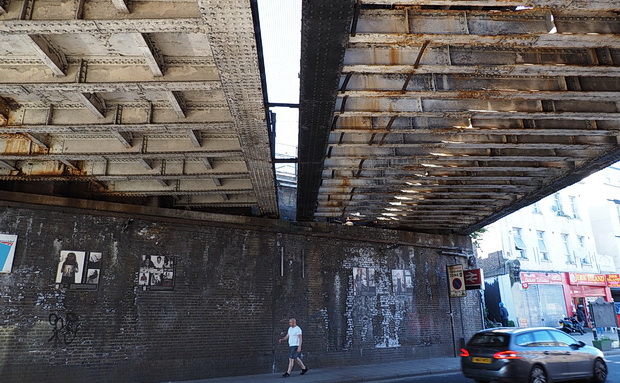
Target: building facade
pixel 543 260
pixel 604 211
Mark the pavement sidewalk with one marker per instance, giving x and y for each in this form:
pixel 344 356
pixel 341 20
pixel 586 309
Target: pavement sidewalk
pixel 368 373
pixel 353 374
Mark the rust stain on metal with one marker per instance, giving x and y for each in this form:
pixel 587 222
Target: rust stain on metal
pixel 48 169
pixel 15 143
pixel 394 56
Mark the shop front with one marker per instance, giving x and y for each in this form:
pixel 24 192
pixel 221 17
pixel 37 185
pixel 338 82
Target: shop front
pixel 539 300
pixel 581 289
pixel 613 282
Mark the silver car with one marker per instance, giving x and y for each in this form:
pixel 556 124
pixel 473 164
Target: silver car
pixel 534 355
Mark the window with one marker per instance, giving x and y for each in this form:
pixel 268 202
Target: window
pixel 519 244
pixel 526 339
pixel 544 253
pixel 564 340
pixel 536 208
pixel 573 207
pixel 581 249
pixel 544 339
pixel 567 252
pixel 488 339
pixel 557 204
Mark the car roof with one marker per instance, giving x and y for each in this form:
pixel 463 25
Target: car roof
pixel 513 330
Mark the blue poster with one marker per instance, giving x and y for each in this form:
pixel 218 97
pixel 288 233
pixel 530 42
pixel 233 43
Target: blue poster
pixel 7 252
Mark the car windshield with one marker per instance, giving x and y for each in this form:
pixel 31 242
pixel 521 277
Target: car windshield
pixel 489 339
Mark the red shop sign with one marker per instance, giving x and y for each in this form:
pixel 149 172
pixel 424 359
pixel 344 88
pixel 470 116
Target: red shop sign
pixel 587 279
pixel 613 280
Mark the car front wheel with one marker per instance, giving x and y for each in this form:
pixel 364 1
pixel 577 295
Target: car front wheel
pixel 600 371
pixel 538 375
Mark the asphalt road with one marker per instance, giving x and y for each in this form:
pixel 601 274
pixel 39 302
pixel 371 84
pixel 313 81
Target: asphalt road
pixel 613 364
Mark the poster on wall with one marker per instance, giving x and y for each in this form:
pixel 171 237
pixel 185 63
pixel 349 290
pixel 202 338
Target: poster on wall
pixel 402 282
pixel 79 270
pixel 157 272
pixel 364 281
pixel 7 252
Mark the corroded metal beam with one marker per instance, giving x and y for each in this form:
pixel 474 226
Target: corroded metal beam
pixel 121 5
pixel 6 165
pixel 322 61
pixel 207 163
pixel 487 145
pixel 122 155
pixel 177 103
pixel 556 40
pixel 127 87
pixel 484 131
pixel 94 103
pixel 4 112
pixel 206 127
pixel 195 138
pixel 491 94
pixel 49 53
pixel 487 115
pixel 390 170
pixel 561 4
pixel 124 137
pixel 173 192
pixel 25 176
pixel 152 55
pixel 38 139
pixel 53 27
pixel 241 76
pixel 490 70
pixel 101 71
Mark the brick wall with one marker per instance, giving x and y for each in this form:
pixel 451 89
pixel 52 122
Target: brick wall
pixel 237 280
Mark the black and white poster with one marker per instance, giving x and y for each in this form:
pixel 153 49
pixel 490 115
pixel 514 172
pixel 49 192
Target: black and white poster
pixel 79 270
pixel 156 272
pixel 402 282
pixel 364 281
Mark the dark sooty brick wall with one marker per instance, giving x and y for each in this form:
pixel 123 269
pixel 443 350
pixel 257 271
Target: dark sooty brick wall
pixel 236 282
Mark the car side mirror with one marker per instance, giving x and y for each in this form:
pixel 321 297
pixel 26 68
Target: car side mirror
pixel 577 345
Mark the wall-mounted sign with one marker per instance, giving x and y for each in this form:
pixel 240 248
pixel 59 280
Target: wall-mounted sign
pixel 79 270
pixel 613 280
pixel 541 278
pixel 587 279
pixel 474 279
pixel 7 252
pixel 456 281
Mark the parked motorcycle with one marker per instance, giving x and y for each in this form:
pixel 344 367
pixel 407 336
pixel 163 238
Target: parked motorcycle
pixel 568 327
pixel 577 325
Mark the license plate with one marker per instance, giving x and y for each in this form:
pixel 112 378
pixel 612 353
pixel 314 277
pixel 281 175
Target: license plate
pixel 481 360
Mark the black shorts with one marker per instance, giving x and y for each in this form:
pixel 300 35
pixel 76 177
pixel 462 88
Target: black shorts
pixel 292 352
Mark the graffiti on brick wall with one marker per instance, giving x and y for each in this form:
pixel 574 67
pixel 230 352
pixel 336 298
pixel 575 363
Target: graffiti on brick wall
pixel 379 301
pixel 64 329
